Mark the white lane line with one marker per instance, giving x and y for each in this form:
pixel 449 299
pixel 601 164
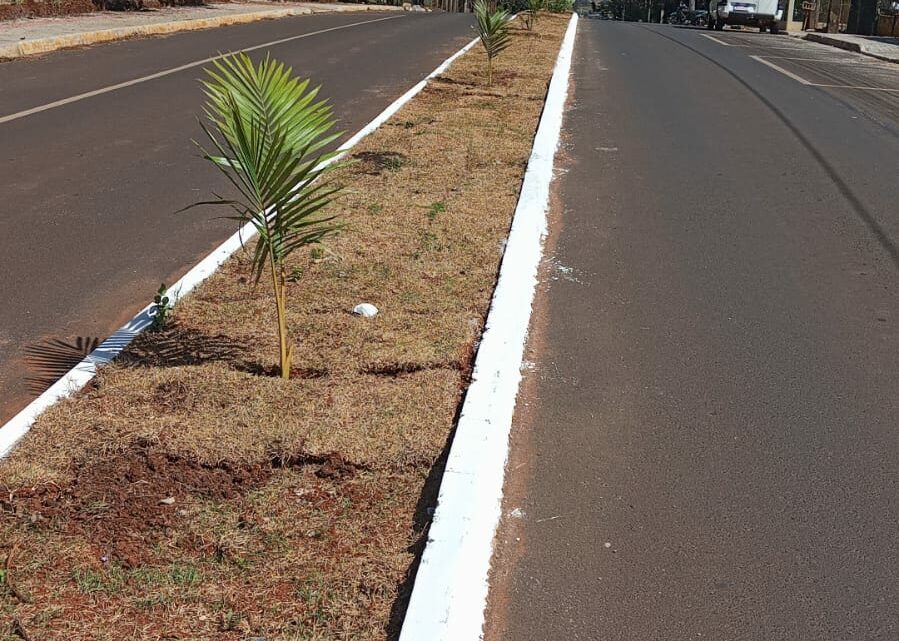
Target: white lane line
pixel 837 61
pixel 168 72
pixel 809 83
pixel 859 87
pixel 83 372
pixel 719 41
pixel 451 585
pixel 790 48
pixel 788 74
pixel 861 60
pixel 750 45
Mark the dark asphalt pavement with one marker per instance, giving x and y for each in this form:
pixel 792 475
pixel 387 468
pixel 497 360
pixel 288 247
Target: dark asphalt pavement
pixel 707 446
pixel 89 189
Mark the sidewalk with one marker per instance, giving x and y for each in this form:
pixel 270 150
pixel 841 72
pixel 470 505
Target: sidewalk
pixel 25 37
pixel 884 48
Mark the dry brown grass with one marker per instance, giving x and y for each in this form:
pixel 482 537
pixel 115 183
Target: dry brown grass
pixel 295 505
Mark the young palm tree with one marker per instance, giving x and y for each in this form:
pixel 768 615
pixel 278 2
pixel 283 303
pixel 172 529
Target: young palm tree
pixel 530 14
pixel 493 28
pixel 268 132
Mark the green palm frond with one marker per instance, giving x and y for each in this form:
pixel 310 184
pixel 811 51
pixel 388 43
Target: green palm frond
pixel 268 134
pixel 493 29
pixel 530 13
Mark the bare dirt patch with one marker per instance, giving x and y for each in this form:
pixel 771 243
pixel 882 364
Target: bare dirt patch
pixel 42 9
pixel 191 493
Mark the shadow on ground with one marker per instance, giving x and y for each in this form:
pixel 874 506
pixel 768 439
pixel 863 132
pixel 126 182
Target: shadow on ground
pixel 50 359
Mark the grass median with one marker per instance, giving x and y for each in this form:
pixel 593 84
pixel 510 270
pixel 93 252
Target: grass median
pixel 191 493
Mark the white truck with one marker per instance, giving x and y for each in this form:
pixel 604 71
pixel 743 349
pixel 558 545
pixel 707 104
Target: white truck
pixel 763 14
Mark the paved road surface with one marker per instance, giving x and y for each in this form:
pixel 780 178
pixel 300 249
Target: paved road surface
pixel 89 188
pixel 708 445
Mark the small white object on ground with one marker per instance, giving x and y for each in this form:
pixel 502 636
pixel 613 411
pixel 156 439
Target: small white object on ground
pixel 365 309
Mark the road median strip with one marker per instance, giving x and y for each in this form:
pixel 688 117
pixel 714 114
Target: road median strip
pixel 189 490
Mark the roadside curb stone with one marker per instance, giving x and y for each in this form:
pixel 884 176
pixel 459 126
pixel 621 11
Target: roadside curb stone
pixel 880 50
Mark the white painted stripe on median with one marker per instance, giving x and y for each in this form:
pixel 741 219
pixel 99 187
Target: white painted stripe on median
pixel 83 372
pixel 839 61
pixel 859 87
pixel 168 72
pixel 809 83
pixel 451 585
pixel 719 41
pixel 788 74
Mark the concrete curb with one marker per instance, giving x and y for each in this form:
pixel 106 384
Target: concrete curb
pixel 451 585
pixel 848 45
pixel 43 45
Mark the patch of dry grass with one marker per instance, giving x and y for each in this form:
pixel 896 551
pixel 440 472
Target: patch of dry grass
pixel 290 506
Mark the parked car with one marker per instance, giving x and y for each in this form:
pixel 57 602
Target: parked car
pixel 763 14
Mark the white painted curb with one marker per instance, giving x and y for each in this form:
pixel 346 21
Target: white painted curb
pixel 451 587
pixel 83 372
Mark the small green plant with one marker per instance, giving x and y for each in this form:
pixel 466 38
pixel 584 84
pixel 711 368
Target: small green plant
pixel 436 208
pixel 184 575
pixel 88 581
pixel 109 581
pixel 559 6
pixel 230 620
pixel 296 275
pixel 493 30
pixel 394 163
pixel 430 241
pixel 376 208
pixel 162 306
pixel 269 132
pixel 317 253
pixel 530 14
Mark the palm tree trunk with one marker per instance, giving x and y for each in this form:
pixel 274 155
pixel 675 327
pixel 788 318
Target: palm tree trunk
pixel 278 285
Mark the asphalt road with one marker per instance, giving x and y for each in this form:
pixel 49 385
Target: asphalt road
pixel 707 446
pixel 89 188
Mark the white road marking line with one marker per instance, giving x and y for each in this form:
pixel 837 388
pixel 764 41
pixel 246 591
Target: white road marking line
pixel 788 74
pixel 767 47
pixel 168 72
pixel 809 83
pixel 859 87
pixel 845 61
pixel 719 41
pixel 750 45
